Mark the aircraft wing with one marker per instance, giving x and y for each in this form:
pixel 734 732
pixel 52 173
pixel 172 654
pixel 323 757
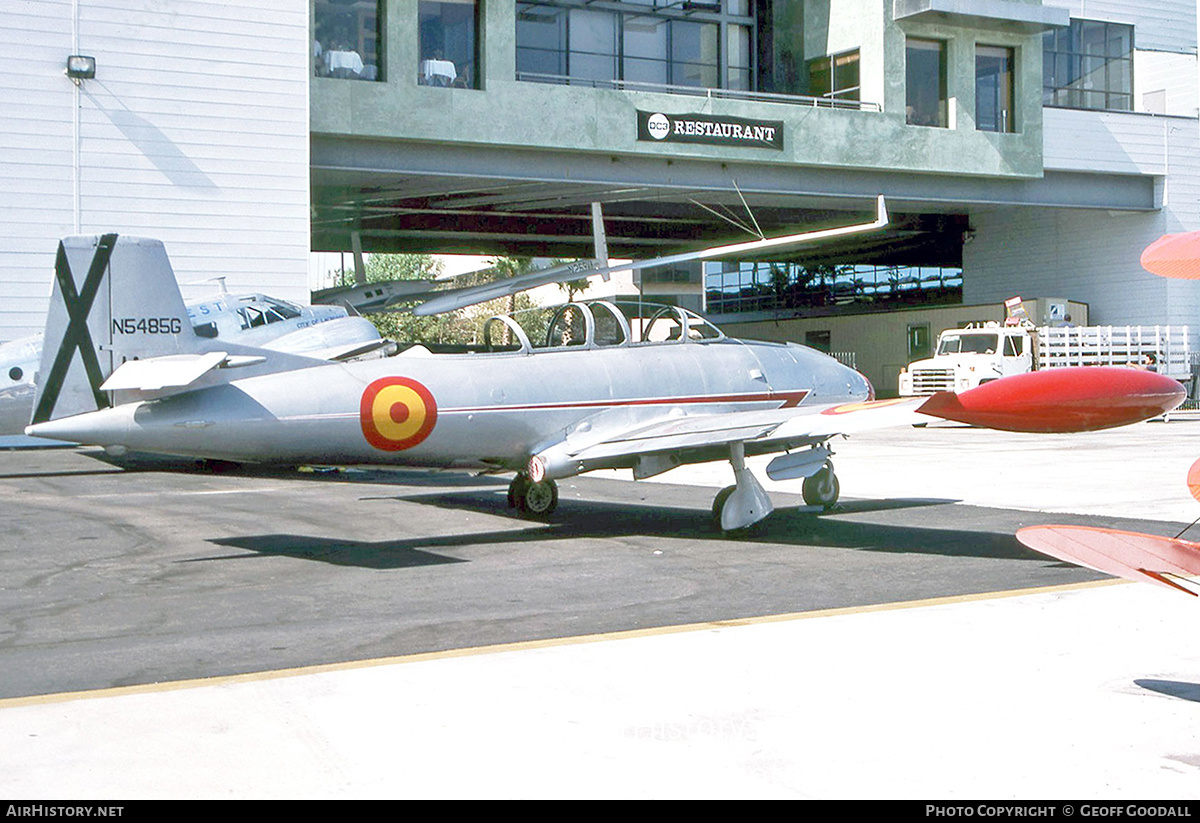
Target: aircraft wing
pixel 788 425
pixel 1143 557
pixel 1055 400
pixel 471 295
pixel 612 439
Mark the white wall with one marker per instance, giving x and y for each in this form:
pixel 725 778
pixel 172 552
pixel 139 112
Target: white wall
pixel 1160 25
pixel 1166 83
pixel 1092 255
pixel 194 131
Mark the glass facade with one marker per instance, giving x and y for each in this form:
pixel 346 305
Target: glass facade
pixel 448 45
pixel 1088 65
pixel 733 287
pixel 925 83
pixel 347 40
pixel 994 89
pixel 834 76
pixel 630 42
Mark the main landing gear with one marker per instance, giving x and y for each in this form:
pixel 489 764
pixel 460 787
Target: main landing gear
pixel 738 507
pixel 742 505
pixel 822 488
pixel 532 498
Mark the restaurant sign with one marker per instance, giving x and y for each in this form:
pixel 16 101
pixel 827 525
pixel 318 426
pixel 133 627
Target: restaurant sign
pixel 709 129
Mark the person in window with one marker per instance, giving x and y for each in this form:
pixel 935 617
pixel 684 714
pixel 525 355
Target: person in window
pixel 319 68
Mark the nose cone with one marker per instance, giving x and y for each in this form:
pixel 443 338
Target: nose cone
pixel 1077 399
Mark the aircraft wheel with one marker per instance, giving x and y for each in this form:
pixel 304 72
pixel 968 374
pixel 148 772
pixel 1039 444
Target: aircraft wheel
pixel 538 499
pixel 516 491
pixel 822 488
pixel 719 504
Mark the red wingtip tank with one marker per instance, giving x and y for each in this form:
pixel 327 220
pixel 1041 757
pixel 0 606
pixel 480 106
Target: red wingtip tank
pixel 1077 399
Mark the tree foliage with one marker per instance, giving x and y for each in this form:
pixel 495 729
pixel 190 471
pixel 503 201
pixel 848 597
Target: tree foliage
pixel 459 328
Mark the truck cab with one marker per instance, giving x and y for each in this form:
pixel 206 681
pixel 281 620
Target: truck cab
pixel 966 358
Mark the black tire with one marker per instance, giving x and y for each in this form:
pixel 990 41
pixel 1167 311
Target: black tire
pixel 822 489
pixel 516 491
pixel 719 504
pixel 539 499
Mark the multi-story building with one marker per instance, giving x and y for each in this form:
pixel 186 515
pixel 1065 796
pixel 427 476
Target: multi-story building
pixel 1025 147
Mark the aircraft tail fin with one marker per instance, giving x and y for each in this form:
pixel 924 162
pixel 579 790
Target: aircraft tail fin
pixel 114 299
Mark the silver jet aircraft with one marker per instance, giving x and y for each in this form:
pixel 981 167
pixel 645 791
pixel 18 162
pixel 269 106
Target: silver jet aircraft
pixel 580 387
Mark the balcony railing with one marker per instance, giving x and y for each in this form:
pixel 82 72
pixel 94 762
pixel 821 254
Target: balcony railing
pixel 700 91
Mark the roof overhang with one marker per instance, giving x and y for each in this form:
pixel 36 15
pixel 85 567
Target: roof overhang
pixel 996 15
pixel 494 200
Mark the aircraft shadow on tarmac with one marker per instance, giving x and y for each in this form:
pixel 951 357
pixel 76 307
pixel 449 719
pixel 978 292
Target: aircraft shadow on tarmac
pixel 797 525
pixel 590 519
pixel 387 554
pixel 792 523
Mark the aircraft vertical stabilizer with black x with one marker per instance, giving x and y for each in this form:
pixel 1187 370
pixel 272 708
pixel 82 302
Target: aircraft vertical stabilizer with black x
pixel 114 302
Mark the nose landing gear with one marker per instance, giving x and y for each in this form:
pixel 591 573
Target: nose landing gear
pixel 531 498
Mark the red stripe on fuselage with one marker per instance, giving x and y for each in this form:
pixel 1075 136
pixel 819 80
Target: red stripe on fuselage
pixel 790 400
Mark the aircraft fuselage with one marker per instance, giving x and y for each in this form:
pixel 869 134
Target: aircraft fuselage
pixel 480 409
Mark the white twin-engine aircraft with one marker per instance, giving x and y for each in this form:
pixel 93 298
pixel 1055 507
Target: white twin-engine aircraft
pixel 328 332
pixel 548 395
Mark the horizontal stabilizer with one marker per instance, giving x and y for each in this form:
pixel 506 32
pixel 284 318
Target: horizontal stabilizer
pixel 1143 557
pixel 158 373
pixel 1074 399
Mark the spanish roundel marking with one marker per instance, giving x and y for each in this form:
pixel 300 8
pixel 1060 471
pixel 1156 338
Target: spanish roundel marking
pixel 396 413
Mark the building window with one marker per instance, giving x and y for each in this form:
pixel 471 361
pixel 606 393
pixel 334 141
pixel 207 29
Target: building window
pixel 994 89
pixel 1088 65
pixel 925 81
pixel 820 340
pixel 346 39
pixel 448 46
pixel 738 48
pixel 635 42
pixel 834 76
pixel 734 287
pixel 542 40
